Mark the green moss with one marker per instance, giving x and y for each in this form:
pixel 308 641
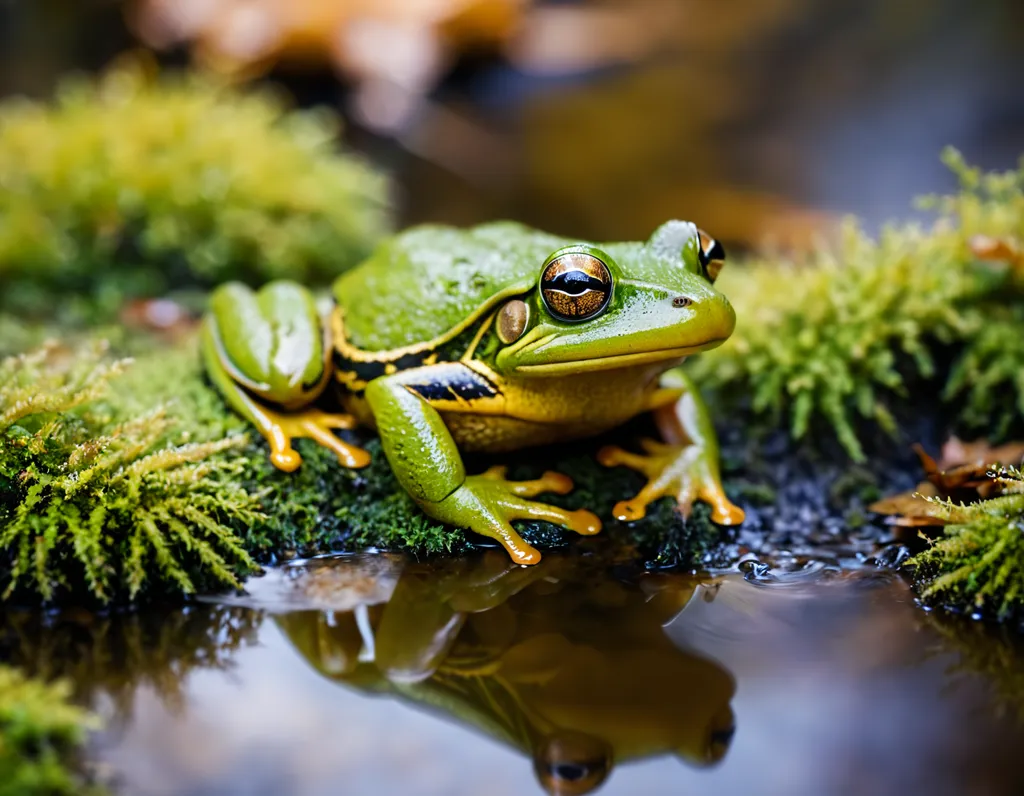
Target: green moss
pixel 130 185
pixel 841 339
pixel 977 563
pixel 40 735
pixel 96 500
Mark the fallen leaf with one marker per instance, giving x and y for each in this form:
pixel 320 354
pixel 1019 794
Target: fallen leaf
pixel 966 472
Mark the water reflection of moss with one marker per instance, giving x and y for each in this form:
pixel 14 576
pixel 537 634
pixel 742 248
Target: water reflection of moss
pixel 115 656
pixel 993 655
pixel 40 736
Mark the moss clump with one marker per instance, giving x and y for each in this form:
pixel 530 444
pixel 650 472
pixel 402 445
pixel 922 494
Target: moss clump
pixel 133 186
pixel 95 500
pixel 976 564
pixel 40 735
pixel 846 334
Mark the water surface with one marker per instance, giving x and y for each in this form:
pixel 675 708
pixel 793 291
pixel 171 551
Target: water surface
pixel 372 675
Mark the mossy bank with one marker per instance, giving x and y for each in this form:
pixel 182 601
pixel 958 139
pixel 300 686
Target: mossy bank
pixel 124 477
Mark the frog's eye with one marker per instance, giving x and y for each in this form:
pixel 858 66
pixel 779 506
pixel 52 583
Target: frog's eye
pixel 711 254
pixel 575 285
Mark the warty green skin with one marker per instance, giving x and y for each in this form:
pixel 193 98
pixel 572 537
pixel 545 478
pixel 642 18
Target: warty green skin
pixel 394 330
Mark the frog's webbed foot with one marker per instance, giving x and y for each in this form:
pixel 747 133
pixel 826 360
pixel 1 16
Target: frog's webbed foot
pixel 685 472
pixel 488 503
pixel 282 427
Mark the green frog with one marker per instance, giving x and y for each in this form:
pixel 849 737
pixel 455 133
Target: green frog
pixel 488 339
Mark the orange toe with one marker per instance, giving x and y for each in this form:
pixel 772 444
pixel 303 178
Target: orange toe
pixel 286 460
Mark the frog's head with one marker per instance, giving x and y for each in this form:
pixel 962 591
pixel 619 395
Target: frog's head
pixel 619 305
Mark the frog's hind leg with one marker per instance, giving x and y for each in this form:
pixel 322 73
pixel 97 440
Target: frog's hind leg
pixel 279 427
pixel 427 463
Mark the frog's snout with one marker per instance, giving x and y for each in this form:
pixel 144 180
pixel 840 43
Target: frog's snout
pixel 712 314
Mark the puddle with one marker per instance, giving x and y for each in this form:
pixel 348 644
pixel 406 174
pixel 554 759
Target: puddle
pixel 371 675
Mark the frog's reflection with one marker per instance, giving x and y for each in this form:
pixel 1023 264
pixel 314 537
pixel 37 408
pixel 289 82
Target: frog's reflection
pixel 559 660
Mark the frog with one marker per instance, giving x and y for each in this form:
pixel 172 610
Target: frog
pixel 448 341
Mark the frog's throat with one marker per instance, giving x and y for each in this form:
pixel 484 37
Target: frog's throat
pixel 613 362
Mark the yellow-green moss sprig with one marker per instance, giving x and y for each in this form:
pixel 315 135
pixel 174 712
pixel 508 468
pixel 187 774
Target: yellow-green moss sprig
pixel 41 734
pixel 132 185
pixel 976 563
pixel 840 339
pixel 94 502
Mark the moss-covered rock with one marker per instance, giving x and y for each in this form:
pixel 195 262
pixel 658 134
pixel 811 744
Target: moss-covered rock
pixel 133 185
pixel 41 733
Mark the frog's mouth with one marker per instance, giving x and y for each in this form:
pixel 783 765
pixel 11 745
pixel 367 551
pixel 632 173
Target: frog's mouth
pixel 615 361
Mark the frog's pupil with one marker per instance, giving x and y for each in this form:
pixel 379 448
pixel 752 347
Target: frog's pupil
pixel 575 283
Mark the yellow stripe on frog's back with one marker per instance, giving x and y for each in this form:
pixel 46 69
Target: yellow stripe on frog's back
pixel 356 367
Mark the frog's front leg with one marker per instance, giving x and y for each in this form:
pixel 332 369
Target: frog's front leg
pixel 684 465
pixel 427 463
pixel 269 355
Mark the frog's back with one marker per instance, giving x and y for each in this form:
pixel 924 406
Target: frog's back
pixel 427 280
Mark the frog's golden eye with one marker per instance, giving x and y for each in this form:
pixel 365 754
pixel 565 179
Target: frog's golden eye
pixel 576 286
pixel 711 254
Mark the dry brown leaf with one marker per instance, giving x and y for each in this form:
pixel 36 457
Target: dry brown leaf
pixel 965 473
pixel 911 509
pixel 957 452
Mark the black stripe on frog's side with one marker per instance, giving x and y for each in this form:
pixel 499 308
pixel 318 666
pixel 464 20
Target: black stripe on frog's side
pixel 457 383
pixel 356 375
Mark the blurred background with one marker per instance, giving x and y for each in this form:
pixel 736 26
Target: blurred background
pixel 763 120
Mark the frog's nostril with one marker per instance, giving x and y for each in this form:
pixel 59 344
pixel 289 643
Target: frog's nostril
pixel 682 301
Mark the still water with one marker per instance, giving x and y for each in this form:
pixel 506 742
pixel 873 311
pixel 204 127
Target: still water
pixel 373 675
